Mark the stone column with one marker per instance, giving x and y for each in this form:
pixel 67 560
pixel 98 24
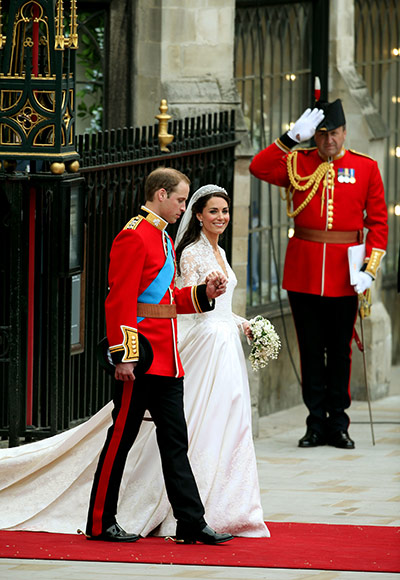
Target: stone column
pixel 147 89
pixel 365 132
pixel 120 65
pixel 197 56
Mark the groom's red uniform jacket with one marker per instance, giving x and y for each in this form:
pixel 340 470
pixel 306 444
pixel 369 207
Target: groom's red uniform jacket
pixel 137 255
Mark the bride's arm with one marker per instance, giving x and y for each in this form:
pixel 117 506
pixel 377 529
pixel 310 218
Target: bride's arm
pixel 188 277
pixel 243 324
pixel 190 274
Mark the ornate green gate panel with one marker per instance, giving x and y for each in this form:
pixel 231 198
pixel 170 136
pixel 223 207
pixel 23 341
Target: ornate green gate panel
pixel 37 76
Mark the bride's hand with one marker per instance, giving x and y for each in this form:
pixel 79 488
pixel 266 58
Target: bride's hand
pixel 247 330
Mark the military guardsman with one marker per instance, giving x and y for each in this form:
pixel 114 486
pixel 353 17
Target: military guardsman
pixel 332 194
pixel 141 310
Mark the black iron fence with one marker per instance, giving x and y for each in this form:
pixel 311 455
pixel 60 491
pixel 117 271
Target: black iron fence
pixel 53 270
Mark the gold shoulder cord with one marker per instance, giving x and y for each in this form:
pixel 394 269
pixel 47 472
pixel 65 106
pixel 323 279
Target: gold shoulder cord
pixel 325 169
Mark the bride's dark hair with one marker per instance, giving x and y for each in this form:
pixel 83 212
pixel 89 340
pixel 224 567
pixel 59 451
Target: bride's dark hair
pixel 193 230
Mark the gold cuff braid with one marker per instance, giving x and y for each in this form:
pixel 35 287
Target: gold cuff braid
pixel 374 262
pixel 129 345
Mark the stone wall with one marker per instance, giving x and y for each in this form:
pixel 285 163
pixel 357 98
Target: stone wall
pixel 147 61
pixel 184 53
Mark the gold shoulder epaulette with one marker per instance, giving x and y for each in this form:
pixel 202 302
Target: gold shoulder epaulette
pixel 361 154
pixel 134 222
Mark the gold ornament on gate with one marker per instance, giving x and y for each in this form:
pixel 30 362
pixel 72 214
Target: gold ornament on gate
pixel 73 167
pixel 57 168
pixel 164 138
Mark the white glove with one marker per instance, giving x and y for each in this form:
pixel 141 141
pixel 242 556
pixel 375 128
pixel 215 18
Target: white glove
pixel 363 282
pixel 304 127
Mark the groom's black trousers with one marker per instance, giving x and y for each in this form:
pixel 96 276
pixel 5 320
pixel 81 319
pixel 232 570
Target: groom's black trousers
pixel 325 328
pixel 163 397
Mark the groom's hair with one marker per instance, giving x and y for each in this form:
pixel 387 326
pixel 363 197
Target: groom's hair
pixel 166 178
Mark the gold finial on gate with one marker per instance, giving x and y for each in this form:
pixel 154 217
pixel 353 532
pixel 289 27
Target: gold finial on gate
pixel 2 38
pixel 73 37
pixel 59 22
pixel 63 41
pixel 164 138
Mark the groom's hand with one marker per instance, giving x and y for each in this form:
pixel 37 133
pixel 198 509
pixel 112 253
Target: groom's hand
pixel 124 371
pixel 215 285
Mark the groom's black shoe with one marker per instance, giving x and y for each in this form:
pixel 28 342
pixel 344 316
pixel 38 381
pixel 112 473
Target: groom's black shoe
pixel 312 439
pixel 206 535
pixel 115 534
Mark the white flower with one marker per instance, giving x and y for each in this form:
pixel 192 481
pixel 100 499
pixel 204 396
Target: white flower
pixel 266 342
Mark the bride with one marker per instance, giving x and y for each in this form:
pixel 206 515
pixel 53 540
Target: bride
pixel 45 486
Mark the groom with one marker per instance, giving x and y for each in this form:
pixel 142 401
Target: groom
pixel 143 298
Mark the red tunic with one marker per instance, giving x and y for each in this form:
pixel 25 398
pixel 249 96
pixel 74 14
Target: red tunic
pixel 322 268
pixel 137 256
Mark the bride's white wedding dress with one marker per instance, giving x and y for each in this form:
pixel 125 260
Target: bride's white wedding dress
pixel 46 485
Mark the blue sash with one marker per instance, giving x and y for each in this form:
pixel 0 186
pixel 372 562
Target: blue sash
pixel 158 287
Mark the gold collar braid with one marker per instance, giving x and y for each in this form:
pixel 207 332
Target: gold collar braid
pixel 325 169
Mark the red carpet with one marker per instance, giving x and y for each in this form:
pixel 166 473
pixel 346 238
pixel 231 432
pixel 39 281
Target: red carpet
pixel 304 546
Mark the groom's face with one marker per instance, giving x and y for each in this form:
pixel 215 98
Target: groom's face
pixel 174 204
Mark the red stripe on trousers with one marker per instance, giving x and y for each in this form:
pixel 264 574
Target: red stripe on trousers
pixel 109 459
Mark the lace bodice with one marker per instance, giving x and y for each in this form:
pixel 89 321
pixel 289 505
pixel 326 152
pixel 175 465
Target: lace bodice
pixel 198 260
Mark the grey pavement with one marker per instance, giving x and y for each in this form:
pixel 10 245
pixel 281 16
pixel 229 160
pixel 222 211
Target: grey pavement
pixel 320 485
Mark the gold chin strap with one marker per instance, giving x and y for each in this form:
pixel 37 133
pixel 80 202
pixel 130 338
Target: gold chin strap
pixel 325 169
pixel 374 262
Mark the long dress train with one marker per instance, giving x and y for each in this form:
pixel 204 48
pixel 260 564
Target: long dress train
pixel 46 485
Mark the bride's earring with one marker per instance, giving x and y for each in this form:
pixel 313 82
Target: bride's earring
pixel 201 223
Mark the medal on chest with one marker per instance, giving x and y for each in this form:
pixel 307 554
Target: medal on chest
pixel 346 175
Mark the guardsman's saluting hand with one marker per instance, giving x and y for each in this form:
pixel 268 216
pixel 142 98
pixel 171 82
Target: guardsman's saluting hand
pixel 305 126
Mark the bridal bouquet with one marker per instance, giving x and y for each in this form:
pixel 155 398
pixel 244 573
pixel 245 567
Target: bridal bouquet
pixel 265 344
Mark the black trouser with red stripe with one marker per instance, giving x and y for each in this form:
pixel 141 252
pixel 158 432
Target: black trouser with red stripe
pixel 325 328
pixel 163 397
